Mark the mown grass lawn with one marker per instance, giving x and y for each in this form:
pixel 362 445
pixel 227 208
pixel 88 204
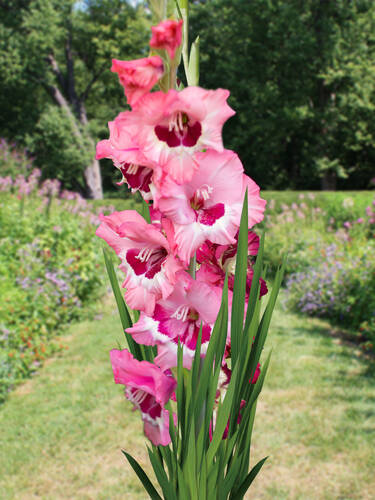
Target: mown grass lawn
pixel 62 431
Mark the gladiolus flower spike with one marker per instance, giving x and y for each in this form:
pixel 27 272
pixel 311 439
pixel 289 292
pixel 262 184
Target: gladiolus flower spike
pixel 192 269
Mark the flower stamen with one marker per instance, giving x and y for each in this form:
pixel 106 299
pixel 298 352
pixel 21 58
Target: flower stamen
pixel 144 254
pixel 181 312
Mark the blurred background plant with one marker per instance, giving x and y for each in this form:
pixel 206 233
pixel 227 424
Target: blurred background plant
pixel 50 265
pixel 330 242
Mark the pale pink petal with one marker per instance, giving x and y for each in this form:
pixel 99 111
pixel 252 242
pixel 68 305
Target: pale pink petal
pixel 145 330
pixel 256 205
pixel 140 299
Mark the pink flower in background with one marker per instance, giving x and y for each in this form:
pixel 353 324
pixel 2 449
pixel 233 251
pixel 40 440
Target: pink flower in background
pixel 167 35
pixel 149 266
pixel 138 76
pixel 149 389
pixel 178 318
pixel 209 206
pixel 171 127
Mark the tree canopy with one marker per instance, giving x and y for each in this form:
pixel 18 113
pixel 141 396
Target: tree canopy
pixel 302 79
pixel 57 88
pixel 301 76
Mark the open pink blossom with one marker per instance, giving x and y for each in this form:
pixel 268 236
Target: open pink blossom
pixel 178 318
pixel 149 266
pixel 172 126
pixel 216 260
pixel 123 149
pixel 167 35
pixel 138 76
pixel 149 389
pixel 209 206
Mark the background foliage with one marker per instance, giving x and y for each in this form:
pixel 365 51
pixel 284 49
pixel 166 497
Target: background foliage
pixel 301 76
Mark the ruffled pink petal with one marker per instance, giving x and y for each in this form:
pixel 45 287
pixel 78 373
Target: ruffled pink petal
pixel 167 355
pixel 149 267
pixel 110 225
pixel 252 243
pixel 205 299
pixel 141 375
pixel 173 126
pixel 141 232
pixel 217 112
pixel 157 430
pixel 256 204
pixel 138 76
pixel 145 330
pixel 188 238
pixel 140 299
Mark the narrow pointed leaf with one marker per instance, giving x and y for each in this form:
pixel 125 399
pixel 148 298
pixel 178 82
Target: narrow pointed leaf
pixel 194 63
pixel 239 288
pixel 126 321
pixel 161 476
pixel 149 487
pixel 239 494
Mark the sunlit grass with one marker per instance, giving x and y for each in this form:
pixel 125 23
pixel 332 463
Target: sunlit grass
pixel 62 431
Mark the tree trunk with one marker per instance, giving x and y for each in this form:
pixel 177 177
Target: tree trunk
pixel 329 181
pixel 91 173
pixel 93 180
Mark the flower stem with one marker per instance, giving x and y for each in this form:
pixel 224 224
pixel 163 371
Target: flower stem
pixel 193 266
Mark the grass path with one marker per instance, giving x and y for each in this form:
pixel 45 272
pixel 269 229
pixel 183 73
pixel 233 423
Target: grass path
pixel 61 432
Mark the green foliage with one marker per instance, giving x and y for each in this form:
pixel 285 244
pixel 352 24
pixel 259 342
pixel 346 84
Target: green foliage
pixel 301 76
pixel 47 45
pixel 49 271
pixel 331 258
pixel 59 152
pixel 13 160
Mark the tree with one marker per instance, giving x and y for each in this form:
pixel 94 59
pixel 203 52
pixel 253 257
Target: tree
pixel 56 57
pixel 299 73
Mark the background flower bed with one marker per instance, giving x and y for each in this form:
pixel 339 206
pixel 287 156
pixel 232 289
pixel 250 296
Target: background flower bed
pixel 329 238
pixel 51 266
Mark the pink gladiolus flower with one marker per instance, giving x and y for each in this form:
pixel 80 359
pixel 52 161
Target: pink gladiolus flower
pixel 178 318
pixel 146 259
pixel 167 35
pixel 122 148
pixel 171 127
pixel 138 76
pixel 216 260
pixel 209 206
pixel 149 389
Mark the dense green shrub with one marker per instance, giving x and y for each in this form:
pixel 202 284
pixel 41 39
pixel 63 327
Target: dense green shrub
pixel 331 257
pixel 50 267
pixel 13 160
